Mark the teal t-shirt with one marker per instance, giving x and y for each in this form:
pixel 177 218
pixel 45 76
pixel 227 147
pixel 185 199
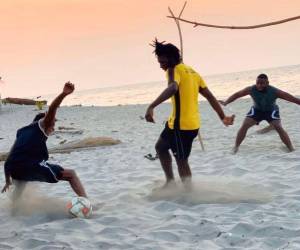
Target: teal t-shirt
pixel 264 100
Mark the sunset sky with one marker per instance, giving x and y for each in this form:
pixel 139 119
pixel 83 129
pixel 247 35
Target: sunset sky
pixel 101 43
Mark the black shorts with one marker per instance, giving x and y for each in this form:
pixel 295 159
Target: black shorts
pixel 180 141
pixel 268 116
pixel 43 171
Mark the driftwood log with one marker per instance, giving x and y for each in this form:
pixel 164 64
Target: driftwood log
pixel 87 143
pixel 23 101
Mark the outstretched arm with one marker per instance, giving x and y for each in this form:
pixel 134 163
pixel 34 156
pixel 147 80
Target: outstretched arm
pixel 288 97
pixel 216 106
pixel 7 180
pixel 49 119
pixel 166 94
pixel 239 94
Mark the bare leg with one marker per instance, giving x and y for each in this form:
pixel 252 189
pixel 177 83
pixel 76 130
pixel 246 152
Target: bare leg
pixel 71 176
pixel 16 195
pixel 283 134
pixel 19 188
pixel 185 173
pixel 265 129
pixel 248 123
pixel 184 170
pixel 165 158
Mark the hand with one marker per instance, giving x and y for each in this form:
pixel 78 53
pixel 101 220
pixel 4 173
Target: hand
pixel 222 102
pixel 149 115
pixel 68 88
pixel 6 186
pixel 228 120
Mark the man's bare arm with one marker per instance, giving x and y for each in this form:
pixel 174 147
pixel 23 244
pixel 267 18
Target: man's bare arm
pixel 239 94
pixel 165 95
pixel 212 101
pixel 7 180
pixel 288 97
pixel 169 91
pixel 50 115
pixel 216 106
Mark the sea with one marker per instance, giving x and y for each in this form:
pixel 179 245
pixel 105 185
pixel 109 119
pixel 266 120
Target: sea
pixel 286 78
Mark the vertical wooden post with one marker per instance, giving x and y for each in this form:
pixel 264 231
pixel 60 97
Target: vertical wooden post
pixel 181 52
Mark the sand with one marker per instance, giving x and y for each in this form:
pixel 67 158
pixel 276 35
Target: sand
pixel 250 200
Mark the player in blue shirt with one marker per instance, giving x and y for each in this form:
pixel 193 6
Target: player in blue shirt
pixel 28 158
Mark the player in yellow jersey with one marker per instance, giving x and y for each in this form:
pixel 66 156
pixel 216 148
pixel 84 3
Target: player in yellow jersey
pixel 184 84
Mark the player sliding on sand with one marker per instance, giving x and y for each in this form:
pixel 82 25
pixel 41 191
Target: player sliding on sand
pixel 27 160
pixel 184 84
pixel 264 108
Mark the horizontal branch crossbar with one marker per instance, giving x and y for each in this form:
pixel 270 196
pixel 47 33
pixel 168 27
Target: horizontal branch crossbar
pixel 236 27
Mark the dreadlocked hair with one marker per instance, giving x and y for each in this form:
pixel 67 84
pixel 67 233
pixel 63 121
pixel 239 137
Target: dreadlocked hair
pixel 168 50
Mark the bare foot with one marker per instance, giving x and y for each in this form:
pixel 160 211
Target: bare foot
pixel 169 184
pixel 187 184
pixel 235 150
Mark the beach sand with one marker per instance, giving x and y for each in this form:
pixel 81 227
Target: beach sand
pixel 250 200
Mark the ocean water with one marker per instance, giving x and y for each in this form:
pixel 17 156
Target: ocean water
pixel 285 78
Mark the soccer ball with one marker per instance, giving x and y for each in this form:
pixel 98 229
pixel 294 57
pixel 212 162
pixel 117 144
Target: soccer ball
pixel 80 207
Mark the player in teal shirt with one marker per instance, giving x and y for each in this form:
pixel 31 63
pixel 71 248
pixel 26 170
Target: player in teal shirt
pixel 264 108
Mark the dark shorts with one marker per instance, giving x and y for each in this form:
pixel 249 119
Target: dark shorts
pixel 43 171
pixel 180 141
pixel 268 116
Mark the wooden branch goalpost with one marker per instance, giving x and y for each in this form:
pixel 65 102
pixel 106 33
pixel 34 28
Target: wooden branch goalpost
pixel 178 19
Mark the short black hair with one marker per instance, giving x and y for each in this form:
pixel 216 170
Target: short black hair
pixel 263 76
pixel 39 116
pixel 168 50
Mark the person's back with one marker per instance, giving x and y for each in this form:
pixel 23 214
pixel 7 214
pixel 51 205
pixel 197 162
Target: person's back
pixel 185 101
pixel 30 146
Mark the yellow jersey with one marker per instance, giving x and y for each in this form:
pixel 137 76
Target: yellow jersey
pixel 185 113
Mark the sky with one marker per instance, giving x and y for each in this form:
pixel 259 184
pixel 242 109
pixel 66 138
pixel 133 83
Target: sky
pixel 102 43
